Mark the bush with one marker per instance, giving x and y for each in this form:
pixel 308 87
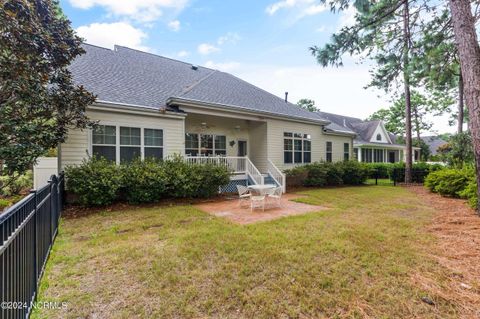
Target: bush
pixel 420 171
pixel 4 203
pixel 20 183
pixel 296 176
pixel 99 182
pixel 378 170
pixel 96 181
pixel 470 193
pixel 329 174
pixel 354 173
pixel 143 181
pixel 449 182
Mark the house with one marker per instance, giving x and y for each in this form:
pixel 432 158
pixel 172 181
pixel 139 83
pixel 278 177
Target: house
pixel 153 106
pixel 372 142
pixel 434 142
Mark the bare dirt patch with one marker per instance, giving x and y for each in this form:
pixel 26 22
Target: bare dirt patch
pixel 457 229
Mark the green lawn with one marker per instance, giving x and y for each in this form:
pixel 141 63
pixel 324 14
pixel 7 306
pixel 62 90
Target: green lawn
pixel 354 260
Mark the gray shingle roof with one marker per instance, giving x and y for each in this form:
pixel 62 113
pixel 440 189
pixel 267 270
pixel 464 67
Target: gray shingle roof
pixel 128 76
pixel 434 142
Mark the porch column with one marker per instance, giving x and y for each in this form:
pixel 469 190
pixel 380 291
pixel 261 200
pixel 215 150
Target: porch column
pixel 359 154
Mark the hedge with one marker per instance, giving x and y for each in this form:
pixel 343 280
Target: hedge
pixel 396 171
pixel 328 174
pixel 98 182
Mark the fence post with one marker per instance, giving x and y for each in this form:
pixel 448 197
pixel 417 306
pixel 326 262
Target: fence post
pixel 35 225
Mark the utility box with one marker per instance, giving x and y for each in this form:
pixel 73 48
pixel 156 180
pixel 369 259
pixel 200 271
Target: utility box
pixel 43 170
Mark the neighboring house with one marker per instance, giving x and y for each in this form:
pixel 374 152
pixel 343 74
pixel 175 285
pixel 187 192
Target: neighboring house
pixel 152 106
pixel 373 143
pixel 434 142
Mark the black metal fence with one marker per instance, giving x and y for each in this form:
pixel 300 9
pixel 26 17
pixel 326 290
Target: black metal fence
pixel 396 176
pixel 27 232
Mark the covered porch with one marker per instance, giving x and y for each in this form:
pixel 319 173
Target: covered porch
pixel 239 143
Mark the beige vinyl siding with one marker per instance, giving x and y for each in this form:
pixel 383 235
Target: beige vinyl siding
pixel 77 145
pixel 258 147
pixel 276 128
pixel 337 146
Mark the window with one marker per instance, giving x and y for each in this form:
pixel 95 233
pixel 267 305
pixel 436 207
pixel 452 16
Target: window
pixel 205 144
pixel 297 148
pixel 378 156
pixel 329 152
pixel 153 143
pixel 220 145
pixel 379 137
pixel 367 155
pixel 129 145
pixel 104 140
pixel 346 151
pixel 191 144
pixel 355 154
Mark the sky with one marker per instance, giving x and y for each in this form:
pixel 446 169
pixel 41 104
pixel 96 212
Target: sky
pixel 265 42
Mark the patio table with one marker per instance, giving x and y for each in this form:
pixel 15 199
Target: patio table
pixel 261 189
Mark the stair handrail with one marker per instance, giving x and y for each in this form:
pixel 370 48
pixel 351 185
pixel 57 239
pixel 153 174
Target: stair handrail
pixel 277 175
pixel 253 172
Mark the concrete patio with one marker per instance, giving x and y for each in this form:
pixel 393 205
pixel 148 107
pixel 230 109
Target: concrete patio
pixel 231 210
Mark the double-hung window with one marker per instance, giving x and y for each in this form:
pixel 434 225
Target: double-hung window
pixel 130 143
pixel 104 141
pixel 205 144
pixel 153 143
pixel 346 151
pixel 297 148
pixel 123 144
pixel 329 149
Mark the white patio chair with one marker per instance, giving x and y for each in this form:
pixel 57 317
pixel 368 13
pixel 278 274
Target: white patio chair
pixel 276 196
pixel 257 202
pixel 243 194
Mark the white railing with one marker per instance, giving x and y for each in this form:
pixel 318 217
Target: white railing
pixel 236 164
pixel 277 175
pixel 253 172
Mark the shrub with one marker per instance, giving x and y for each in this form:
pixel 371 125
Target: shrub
pixel 420 170
pixel 4 203
pixel 96 181
pixel 354 173
pixel 296 176
pixel 99 182
pixel 143 181
pixel 449 182
pixel 470 193
pixel 19 184
pixel 378 170
pixel 329 174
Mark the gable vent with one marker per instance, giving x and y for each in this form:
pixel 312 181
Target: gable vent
pixel 194 67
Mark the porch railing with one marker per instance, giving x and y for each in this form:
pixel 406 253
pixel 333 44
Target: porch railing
pixel 27 232
pixel 236 164
pixel 277 175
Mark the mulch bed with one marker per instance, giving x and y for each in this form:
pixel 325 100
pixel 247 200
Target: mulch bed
pixel 457 229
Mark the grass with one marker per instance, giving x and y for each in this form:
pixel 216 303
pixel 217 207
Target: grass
pixel 353 260
pixel 380 181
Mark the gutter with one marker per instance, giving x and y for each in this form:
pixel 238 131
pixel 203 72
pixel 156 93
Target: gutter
pixel 101 105
pixel 239 109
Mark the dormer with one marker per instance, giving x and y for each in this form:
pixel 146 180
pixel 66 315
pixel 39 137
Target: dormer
pixel 380 135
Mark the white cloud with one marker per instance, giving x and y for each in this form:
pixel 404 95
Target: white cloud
pixel 139 10
pixel 174 25
pixel 314 9
pixel 321 29
pixel 109 34
pixel 183 54
pixel 296 9
pixel 347 17
pixel 274 7
pixel 223 66
pixel 206 48
pixel 230 37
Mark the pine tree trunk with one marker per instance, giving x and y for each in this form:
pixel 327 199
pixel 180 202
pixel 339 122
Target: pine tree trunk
pixel 461 105
pixel 469 55
pixel 408 106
